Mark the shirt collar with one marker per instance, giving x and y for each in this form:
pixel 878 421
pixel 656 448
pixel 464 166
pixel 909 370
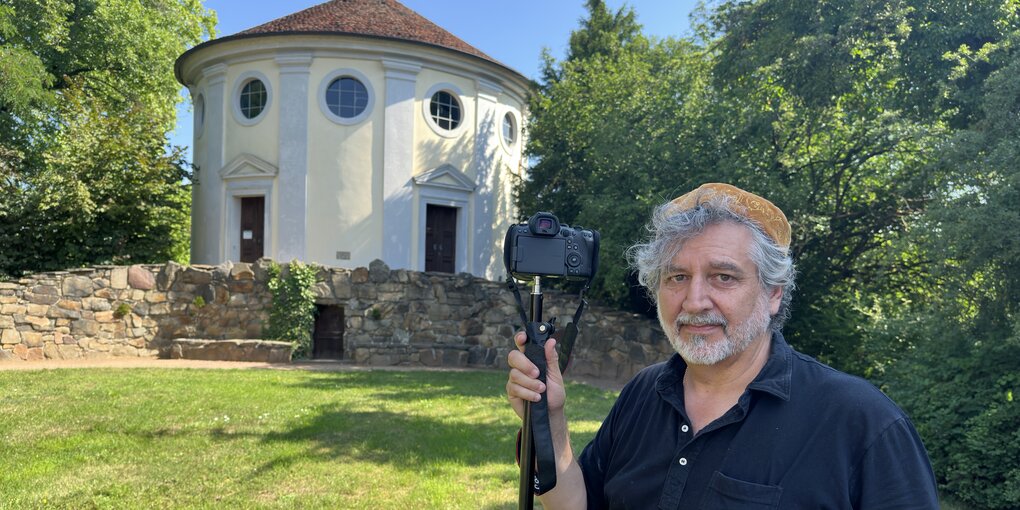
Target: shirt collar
pixel 773 379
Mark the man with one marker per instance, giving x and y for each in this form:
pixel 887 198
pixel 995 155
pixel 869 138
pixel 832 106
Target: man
pixel 737 418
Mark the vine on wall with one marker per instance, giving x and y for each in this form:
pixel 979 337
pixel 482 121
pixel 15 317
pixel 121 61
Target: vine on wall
pixel 292 316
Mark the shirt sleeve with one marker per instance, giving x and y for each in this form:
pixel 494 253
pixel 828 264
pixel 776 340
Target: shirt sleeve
pixel 895 472
pixel 593 461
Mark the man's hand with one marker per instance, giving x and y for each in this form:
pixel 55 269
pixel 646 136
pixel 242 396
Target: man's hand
pixel 523 384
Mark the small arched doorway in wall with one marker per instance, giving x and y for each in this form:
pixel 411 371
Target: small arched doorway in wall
pixel 328 335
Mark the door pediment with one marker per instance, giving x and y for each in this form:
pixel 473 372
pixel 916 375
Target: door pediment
pixel 446 176
pixel 247 166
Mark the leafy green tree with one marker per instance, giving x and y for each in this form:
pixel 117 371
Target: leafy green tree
pixel 968 333
pixel 591 169
pixel 87 98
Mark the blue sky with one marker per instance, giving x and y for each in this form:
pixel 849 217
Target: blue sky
pixel 512 32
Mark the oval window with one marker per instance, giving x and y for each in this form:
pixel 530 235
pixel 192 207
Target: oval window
pixel 346 97
pixel 445 110
pixel 253 98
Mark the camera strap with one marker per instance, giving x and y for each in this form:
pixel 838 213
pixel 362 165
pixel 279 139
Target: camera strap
pixel 538 334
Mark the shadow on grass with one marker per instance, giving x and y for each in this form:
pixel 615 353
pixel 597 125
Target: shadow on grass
pixel 412 386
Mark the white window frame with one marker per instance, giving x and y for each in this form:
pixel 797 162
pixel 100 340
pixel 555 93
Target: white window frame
pixel 509 147
pixel 346 73
pixel 426 110
pixel 235 99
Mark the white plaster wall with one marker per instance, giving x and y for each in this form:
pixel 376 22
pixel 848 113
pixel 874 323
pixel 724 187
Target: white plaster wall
pixel 260 140
pixel 432 149
pixel 345 173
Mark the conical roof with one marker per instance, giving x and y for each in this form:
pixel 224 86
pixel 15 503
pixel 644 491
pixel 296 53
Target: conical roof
pixel 377 18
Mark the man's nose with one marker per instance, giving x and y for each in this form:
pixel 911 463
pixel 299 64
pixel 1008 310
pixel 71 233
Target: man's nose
pixel 698 298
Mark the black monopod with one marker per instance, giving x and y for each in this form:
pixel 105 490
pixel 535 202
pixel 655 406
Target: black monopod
pixel 545 248
pixel 528 484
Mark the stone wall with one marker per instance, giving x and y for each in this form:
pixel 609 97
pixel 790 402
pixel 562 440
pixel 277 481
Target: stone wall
pixel 392 317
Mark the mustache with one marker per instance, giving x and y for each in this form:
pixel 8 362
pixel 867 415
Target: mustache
pixel 701 319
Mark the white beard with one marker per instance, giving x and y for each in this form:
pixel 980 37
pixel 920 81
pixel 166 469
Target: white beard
pixel 699 350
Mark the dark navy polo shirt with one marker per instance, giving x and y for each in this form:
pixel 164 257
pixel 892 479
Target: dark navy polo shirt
pixel 802 435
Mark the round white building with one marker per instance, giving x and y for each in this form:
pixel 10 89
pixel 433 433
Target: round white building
pixel 351 131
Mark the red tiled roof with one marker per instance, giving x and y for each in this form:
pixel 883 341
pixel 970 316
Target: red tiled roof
pixel 376 18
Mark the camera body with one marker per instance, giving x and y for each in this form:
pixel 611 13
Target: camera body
pixel 544 247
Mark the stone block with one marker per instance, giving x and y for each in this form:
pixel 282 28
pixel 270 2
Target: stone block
pixel 6 322
pixel 37 310
pixel 42 299
pixel 51 351
pixel 20 351
pixel 119 278
pixel 470 327
pixel 13 309
pixel 56 312
pixel 77 286
pixel 39 323
pixel 83 328
pixel 341 285
pixel 455 358
pixel 10 336
pixel 96 304
pixel 52 289
pixel 32 338
pixel 35 354
pixel 196 276
pixel 140 278
pixel 107 316
pixel 6 355
pixel 359 275
pixel 124 351
pixel 167 275
pixel 69 351
pixel 231 350
pixel 242 271
pixel 246 286
pixel 429 358
pixel 378 271
pixel 222 272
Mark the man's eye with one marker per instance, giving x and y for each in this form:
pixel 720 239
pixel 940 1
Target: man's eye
pixel 677 278
pixel 726 278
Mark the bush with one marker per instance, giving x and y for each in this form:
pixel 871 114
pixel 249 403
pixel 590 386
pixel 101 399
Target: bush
pixel 292 316
pixel 961 392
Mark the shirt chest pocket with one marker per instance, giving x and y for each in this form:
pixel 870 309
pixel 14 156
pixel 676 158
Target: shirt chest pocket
pixel 729 493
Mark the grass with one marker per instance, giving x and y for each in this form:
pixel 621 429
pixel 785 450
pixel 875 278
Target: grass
pixel 156 438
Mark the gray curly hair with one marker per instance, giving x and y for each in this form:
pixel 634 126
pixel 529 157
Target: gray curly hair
pixel 670 229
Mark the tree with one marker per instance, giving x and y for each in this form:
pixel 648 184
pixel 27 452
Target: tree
pixel 590 169
pixel 968 333
pixel 87 98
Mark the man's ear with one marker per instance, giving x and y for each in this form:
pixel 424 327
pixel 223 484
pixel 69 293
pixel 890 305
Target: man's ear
pixel 775 299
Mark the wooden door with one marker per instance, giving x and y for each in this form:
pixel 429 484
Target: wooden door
pixel 252 227
pixel 440 238
pixel 328 336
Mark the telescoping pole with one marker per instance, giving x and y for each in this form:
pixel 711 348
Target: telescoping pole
pixel 526 497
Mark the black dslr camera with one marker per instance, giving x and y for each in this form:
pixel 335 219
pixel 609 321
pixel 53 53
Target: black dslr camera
pixel 544 247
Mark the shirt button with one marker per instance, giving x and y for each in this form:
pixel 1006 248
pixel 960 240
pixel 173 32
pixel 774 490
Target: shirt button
pixel 683 461
pixel 684 428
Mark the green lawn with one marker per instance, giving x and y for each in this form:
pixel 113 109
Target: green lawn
pixel 155 438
